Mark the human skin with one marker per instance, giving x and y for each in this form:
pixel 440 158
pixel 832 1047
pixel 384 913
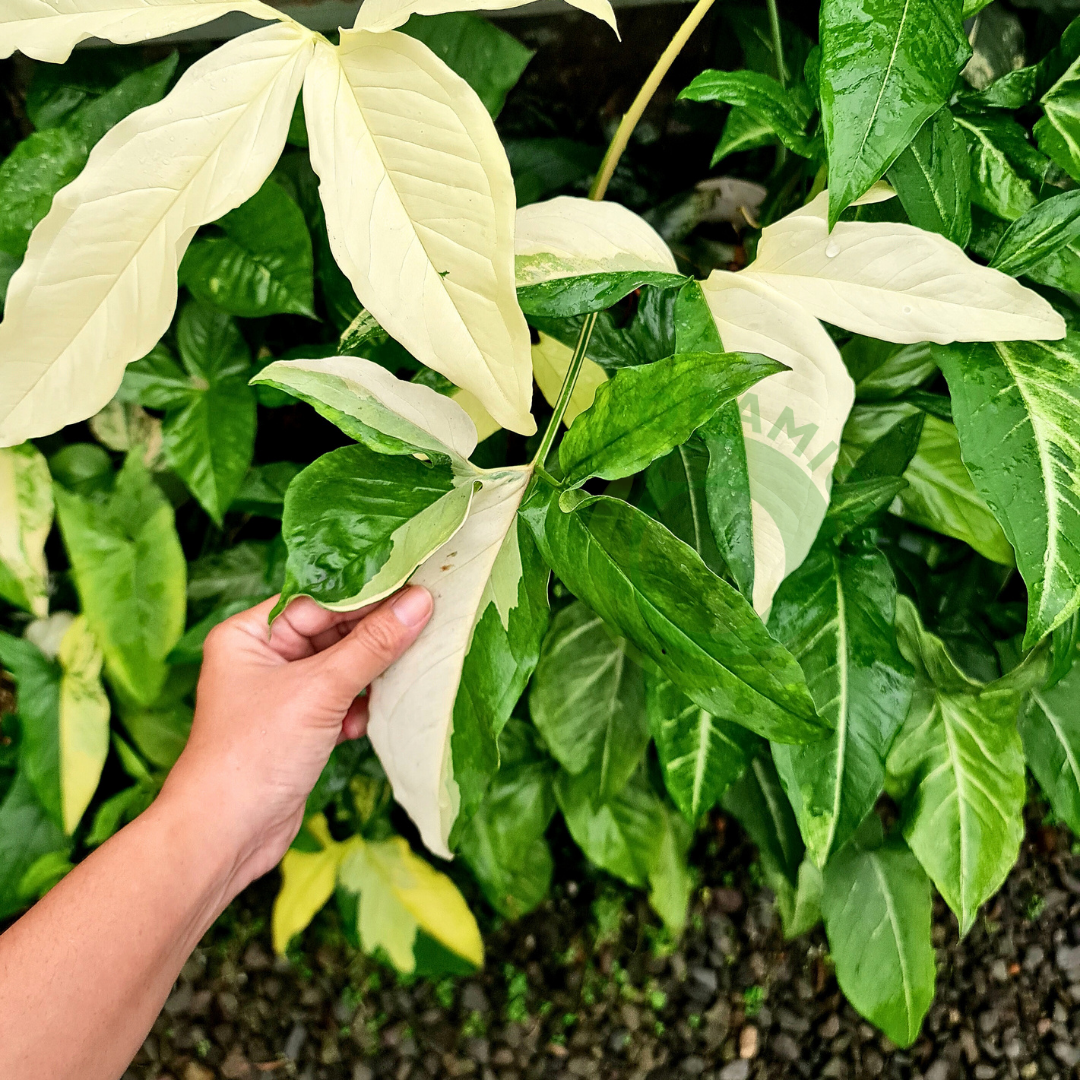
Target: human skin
pixel 84 973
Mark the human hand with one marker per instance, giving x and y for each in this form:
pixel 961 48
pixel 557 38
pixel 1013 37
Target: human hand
pixel 269 710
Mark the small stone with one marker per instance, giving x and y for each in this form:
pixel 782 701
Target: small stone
pixel 735 1070
pixel 584 1067
pixel 1034 956
pixel 236 1066
pixel 195 1071
pixel 1043 1026
pixel 999 971
pixel 692 1066
pixel 1068 961
pixel 1029 1071
pixel 790 1021
pixel 502 1057
pixel 478 1050
pixel 728 900
pixel 1066 1053
pixel 256 958
pixel 785 1047
pixel 939 1070
pixel 831 1027
pixel 985 1072
pixel 473 999
pixel 179 1001
pixel 703 978
pixel 748 1042
pixel 873 1063
pixel 1013 1049
pixel 295 1042
pixel 618 1041
pixel 989 1021
pixel 969 1046
pixel 835 1068
pixel 362 1072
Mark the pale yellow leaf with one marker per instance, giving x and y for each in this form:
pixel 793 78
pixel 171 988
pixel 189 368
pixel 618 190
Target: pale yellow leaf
pixel 49 29
pixel 84 721
pixel 483 421
pixel 412 703
pixel 381 15
pixel 551 360
pixel 26 514
pixel 98 286
pixel 419 204
pixel 567 236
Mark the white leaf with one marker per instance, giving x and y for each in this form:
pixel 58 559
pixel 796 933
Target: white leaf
pixel 792 421
pixel 551 361
pixel 567 236
pixel 49 29
pixel 896 282
pixel 381 15
pixel 412 704
pixel 98 286
pixel 419 207
pixel 26 514
pixel 367 391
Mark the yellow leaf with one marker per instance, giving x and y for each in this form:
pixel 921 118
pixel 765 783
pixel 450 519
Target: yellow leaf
pixel 26 513
pixel 551 359
pixel 84 721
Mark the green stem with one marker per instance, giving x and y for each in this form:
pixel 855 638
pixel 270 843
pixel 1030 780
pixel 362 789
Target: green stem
pixel 652 83
pixel 599 189
pixel 778 42
pixel 569 381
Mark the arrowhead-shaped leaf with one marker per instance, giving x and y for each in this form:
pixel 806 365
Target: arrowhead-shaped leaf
pixel 382 15
pixel 26 514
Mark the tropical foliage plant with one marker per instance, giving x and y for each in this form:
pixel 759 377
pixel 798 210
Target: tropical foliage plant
pixel 799 535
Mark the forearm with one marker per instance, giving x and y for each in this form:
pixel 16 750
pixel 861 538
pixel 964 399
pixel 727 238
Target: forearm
pixel 85 972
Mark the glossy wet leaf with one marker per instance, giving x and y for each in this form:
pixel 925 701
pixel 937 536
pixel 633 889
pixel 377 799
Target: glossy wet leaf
pixel 940 495
pixel 932 178
pixel 588 700
pixel 263 265
pixel 1050 729
pixel 883 371
pixel 1058 132
pixel 551 361
pixel 130 573
pixel 835 615
pixel 700 754
pixel 957 767
pixel 564 297
pixel 1000 164
pixel 886 67
pixel 643 413
pixel 879 441
pixel 125 222
pixel 1044 229
pixel 26 514
pixel 743 130
pixel 1015 406
pixel 639 579
pixel 877 912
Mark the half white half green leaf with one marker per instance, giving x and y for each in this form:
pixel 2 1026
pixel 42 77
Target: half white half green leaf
pixel 422 228
pixel 98 286
pixel 26 513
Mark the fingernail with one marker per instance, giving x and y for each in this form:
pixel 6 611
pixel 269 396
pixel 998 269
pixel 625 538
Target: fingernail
pixel 412 607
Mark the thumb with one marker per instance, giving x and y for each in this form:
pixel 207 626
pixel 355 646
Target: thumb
pixel 373 644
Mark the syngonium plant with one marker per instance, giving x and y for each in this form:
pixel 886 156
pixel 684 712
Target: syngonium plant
pixel 419 204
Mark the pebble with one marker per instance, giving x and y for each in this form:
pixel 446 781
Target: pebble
pixel 831 1028
pixel 939 1070
pixel 785 1047
pixel 703 979
pixel 1068 961
pixel 295 1042
pixel 473 999
pixel 693 1065
pixel 1066 1053
pixel 985 1072
pixel 1034 956
pixel 362 1072
pixel 999 971
pixel 735 1070
pixel 748 1042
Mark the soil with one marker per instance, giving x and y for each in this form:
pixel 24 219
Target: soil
pixel 587 987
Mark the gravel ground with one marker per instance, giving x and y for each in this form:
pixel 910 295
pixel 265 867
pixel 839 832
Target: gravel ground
pixel 587 987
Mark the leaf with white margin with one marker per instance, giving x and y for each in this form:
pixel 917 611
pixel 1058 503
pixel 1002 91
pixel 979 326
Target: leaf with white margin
pixel 568 237
pixel 26 513
pixel 792 421
pixel 412 703
pixel 381 15
pixel 374 407
pixel 896 282
pixel 98 286
pixel 420 207
pixel 49 29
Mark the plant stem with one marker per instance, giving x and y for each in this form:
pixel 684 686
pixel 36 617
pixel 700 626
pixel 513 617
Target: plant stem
pixel 652 83
pixel 569 381
pixel 599 189
pixel 777 41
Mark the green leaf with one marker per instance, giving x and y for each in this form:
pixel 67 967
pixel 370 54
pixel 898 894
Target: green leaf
pixel 677 484
pixel 357 523
pixel 26 834
pixel 643 413
pixel 879 441
pixel 941 496
pixel 958 766
pixel 622 835
pixel 588 700
pixel 504 842
pixel 853 504
pixel 26 513
pixel 886 67
pixel 742 131
pixel 487 58
pixel 700 754
pixel 263 265
pixel 883 371
pixel 542 167
pixel 130 572
pixel 262 491
pixel 247 569
pixel 670 880
pixel 568 296
pixel 1058 132
pixel 1001 162
pixel 932 177
pixel 1040 232
pixel 653 589
pixel 30 176
pixel 785 112
pixel 84 468
pixel 835 614
pixel 877 914
pixel 1050 730
pixel 1016 406
pixel 1063 644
